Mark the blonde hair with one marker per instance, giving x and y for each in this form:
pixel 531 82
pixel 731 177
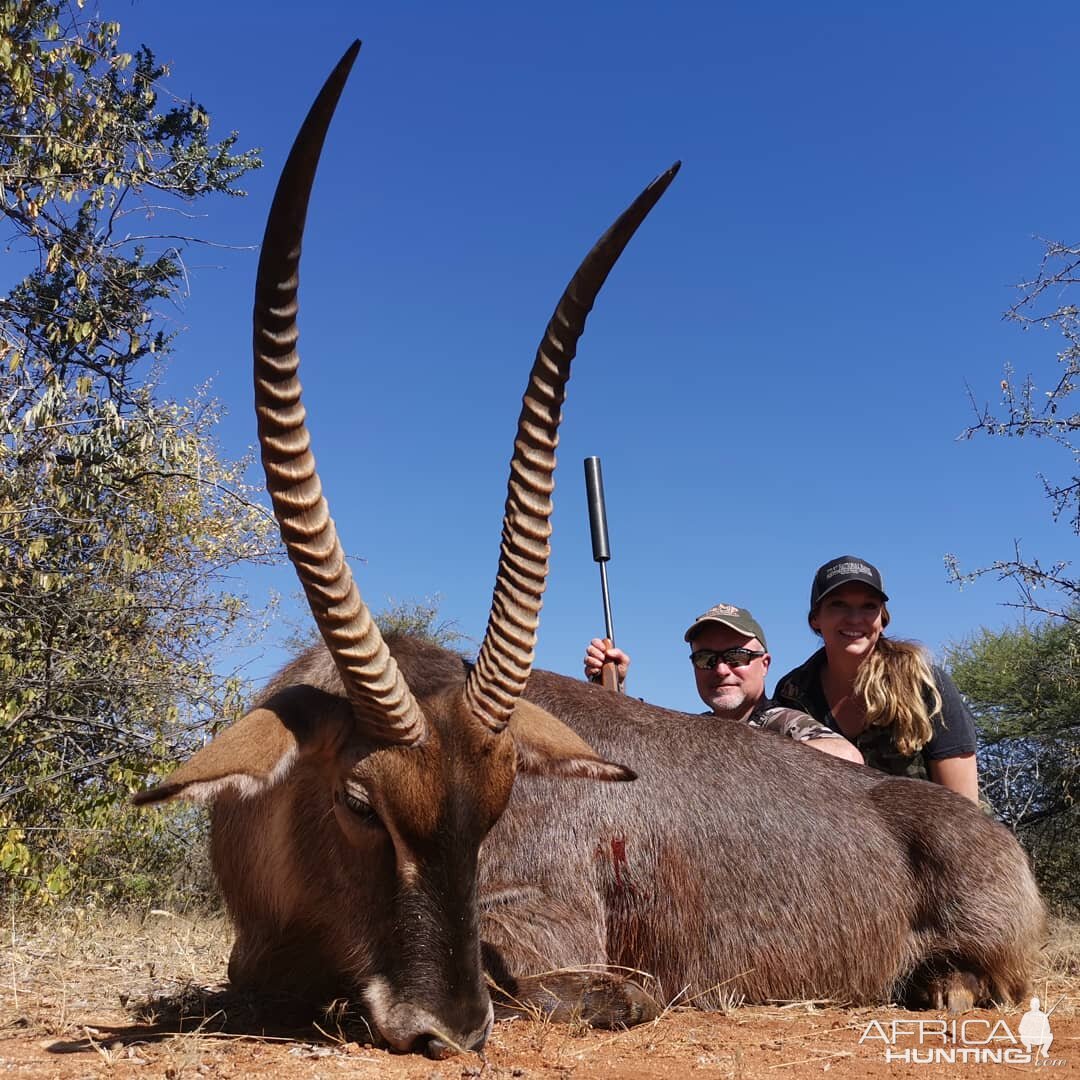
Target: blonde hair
pixel 897 686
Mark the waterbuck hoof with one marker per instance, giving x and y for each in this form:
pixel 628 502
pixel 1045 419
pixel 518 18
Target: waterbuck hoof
pixel 599 1000
pixel 955 991
pixel 616 1002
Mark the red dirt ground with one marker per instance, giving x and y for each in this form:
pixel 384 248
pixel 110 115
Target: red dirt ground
pixel 749 1042
pixel 67 1011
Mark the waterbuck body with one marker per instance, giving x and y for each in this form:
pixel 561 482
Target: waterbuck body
pixel 394 825
pixel 738 865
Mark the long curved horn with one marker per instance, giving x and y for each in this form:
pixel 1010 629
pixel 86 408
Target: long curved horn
pixel 506 655
pixel 380 698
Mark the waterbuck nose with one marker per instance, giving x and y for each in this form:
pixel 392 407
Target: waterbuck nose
pixel 440 1044
pixel 416 1030
pixel 433 1047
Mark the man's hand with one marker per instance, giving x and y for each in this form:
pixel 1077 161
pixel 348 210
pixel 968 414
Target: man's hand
pixel 601 651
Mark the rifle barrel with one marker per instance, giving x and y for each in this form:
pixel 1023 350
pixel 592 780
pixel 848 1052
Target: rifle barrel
pixel 594 493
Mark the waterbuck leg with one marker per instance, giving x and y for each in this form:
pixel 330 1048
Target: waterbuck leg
pixel 594 998
pixel 958 991
pixel 525 929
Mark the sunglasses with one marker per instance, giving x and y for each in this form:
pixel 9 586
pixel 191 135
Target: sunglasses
pixel 707 659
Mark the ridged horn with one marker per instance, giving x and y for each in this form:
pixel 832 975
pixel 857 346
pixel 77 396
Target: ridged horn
pixel 506 655
pixel 382 703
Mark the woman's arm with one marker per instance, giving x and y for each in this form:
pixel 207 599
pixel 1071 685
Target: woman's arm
pixel 960 774
pixel 951 751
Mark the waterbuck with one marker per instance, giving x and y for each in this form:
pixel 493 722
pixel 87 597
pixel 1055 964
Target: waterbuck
pixel 395 824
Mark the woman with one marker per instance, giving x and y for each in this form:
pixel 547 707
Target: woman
pixel 906 716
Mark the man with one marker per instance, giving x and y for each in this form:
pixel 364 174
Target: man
pixel 730 659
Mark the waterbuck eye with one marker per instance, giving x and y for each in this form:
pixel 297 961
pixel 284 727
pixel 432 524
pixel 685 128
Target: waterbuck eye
pixel 356 799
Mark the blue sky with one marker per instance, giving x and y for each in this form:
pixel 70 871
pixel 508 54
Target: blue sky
pixel 774 374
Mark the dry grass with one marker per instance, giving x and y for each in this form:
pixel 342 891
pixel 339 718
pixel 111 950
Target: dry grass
pixel 1058 976
pixel 152 987
pixel 122 990
pixel 72 960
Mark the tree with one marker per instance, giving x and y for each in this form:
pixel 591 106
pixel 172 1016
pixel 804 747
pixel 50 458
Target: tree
pixel 119 519
pixel 418 618
pixel 1023 685
pixel 1054 588
pixel 421 618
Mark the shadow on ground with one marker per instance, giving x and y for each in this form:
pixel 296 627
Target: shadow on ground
pixel 221 1010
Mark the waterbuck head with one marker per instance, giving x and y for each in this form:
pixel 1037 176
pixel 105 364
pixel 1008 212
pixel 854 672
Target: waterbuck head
pixel 351 802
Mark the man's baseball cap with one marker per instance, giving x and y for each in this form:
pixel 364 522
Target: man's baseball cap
pixel 736 618
pixel 844 570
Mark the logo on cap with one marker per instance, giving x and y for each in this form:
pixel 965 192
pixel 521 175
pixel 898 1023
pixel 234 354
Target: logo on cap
pixel 849 568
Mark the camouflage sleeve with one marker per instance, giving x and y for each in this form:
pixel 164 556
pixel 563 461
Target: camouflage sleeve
pixel 795 725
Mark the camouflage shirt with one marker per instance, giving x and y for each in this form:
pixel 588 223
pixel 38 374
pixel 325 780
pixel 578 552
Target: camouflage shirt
pixel 768 716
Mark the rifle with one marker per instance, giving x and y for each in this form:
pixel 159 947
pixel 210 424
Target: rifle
pixel 601 553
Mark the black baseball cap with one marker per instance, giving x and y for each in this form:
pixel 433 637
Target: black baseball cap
pixel 844 570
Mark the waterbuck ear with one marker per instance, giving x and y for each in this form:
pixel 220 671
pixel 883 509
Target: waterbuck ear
pixel 258 750
pixel 547 747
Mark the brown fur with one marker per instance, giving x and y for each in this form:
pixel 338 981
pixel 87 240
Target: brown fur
pixel 349 865
pixel 748 860
pixel 738 864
